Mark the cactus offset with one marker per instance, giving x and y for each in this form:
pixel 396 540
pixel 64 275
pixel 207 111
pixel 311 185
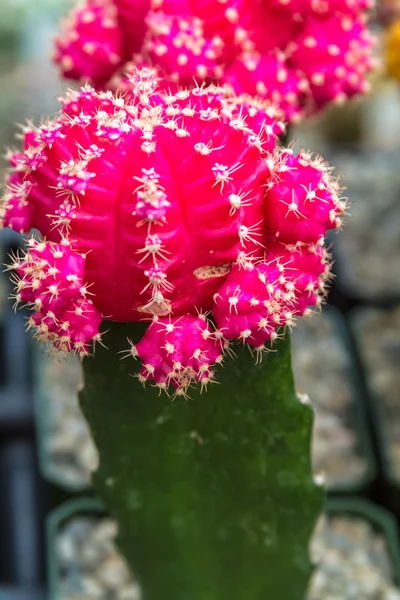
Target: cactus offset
pixel 177 208
pixel 299 54
pixel 93 45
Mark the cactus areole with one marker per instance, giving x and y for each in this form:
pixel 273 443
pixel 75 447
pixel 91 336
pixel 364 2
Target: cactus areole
pixel 176 232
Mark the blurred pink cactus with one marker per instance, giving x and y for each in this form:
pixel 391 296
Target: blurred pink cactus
pixel 299 54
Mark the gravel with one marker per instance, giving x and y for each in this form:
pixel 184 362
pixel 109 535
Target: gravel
pixel 68 453
pixel 90 567
pixel 322 366
pixel 353 562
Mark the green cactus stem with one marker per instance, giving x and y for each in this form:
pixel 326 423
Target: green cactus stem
pixel 214 495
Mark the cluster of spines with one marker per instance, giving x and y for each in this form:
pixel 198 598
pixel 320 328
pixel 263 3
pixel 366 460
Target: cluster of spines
pixel 335 57
pixel 49 280
pixel 303 199
pixel 179 47
pixel 179 352
pixel 298 54
pixel 269 76
pixel 91 45
pixel 259 299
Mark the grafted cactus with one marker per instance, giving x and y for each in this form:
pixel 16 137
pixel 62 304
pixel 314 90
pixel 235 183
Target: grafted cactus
pixel 178 209
pixel 300 54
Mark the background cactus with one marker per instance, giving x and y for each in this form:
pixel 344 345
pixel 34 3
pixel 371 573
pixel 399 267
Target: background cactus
pixel 178 209
pixel 392 48
pixel 300 55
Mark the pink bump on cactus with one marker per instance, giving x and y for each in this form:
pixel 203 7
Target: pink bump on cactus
pixel 94 46
pixel 175 351
pixel 299 54
pixel 51 281
pixel 171 207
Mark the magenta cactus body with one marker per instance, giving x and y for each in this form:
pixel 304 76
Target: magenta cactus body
pixel 52 282
pixel 168 207
pixel 298 54
pixel 302 181
pixel 94 47
pixel 176 351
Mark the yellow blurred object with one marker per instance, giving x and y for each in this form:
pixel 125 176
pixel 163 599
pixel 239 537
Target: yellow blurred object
pixel 392 50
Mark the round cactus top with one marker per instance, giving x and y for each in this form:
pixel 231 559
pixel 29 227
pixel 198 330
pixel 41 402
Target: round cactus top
pixel 168 206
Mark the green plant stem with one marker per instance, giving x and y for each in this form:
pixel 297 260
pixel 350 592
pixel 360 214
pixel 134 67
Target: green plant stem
pixel 214 495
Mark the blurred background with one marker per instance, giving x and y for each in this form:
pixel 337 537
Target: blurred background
pixel 54 539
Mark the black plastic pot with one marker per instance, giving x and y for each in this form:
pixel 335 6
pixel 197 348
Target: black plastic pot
pixel 356 411
pixel 21 572
pixel 45 416
pixel 16 412
pixel 381 519
pixel 20 593
pixel 380 414
pixel 62 514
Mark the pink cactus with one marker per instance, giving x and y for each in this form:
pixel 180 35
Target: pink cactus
pixel 253 303
pixel 91 45
pixel 170 207
pixel 299 54
pixel 303 203
pixel 177 351
pixel 51 282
